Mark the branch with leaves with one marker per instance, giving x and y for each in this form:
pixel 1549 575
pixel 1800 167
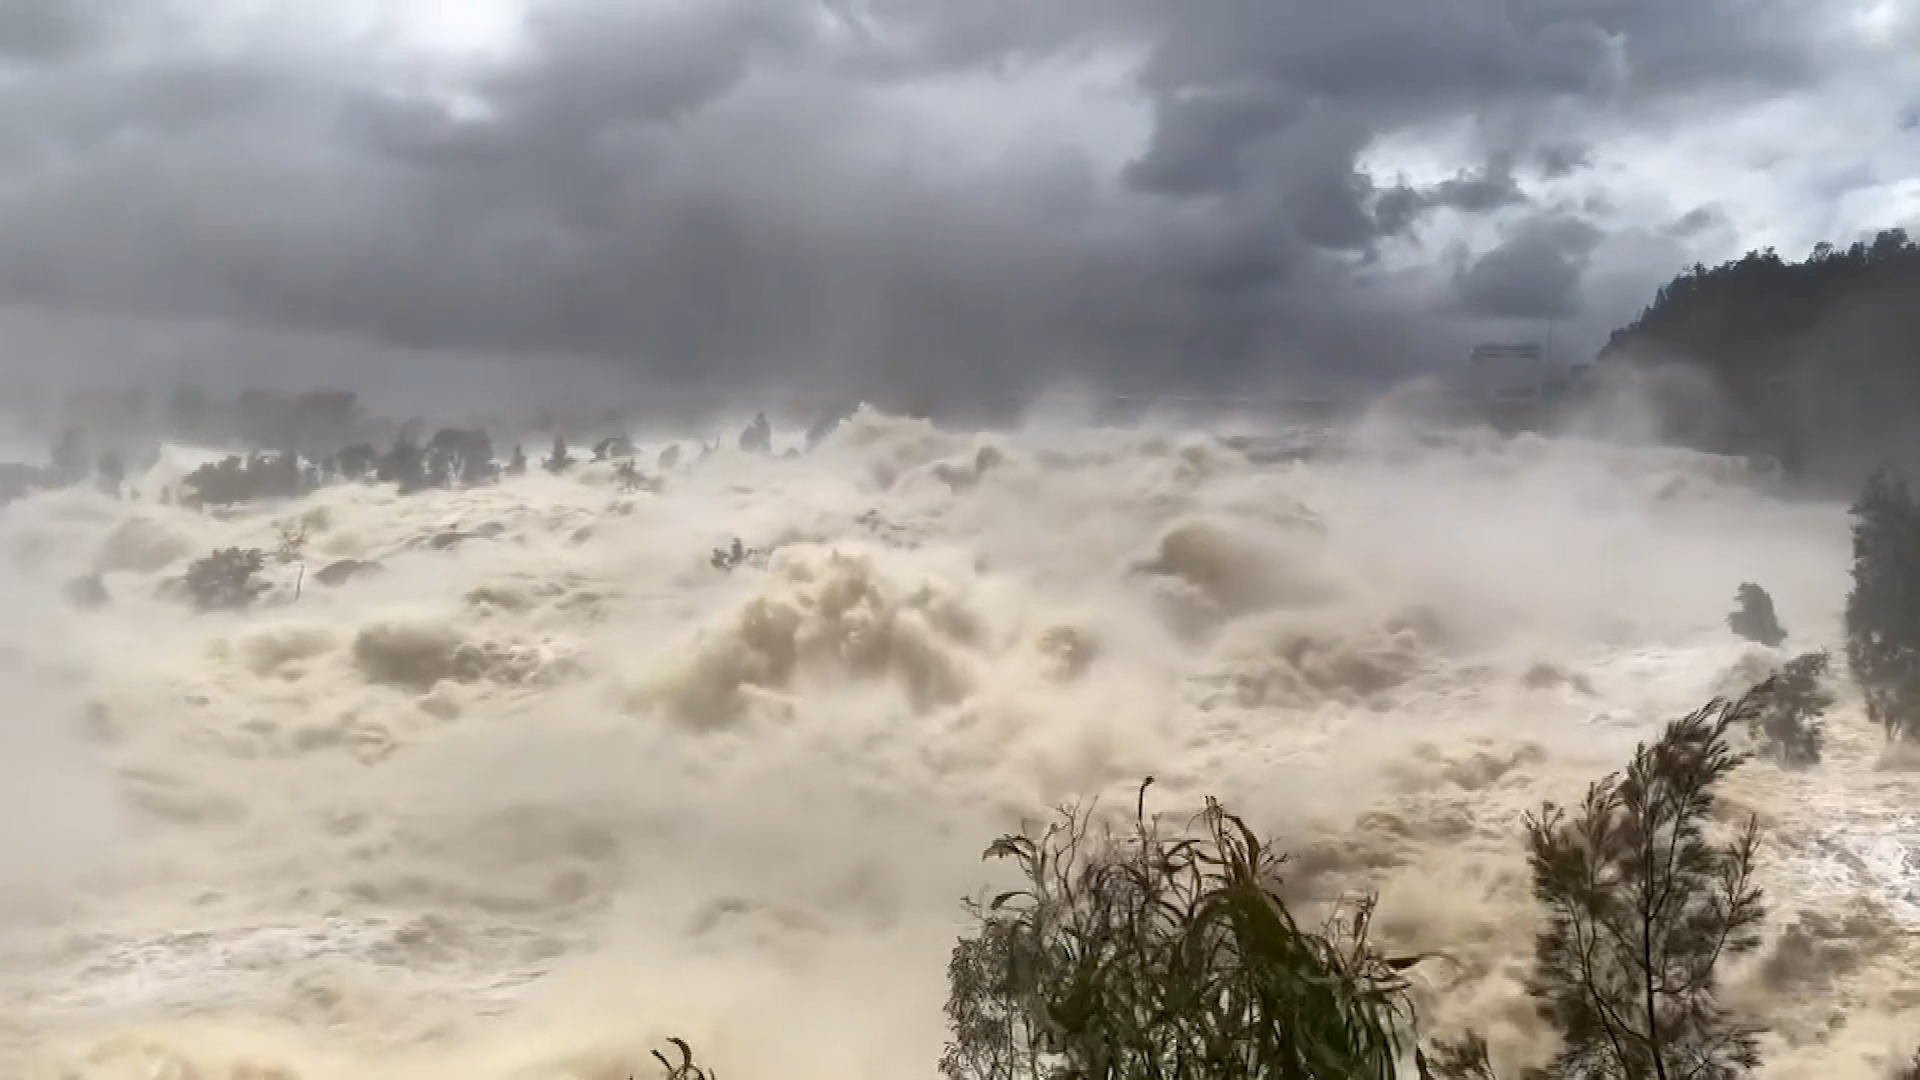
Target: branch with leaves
pixel 1641 904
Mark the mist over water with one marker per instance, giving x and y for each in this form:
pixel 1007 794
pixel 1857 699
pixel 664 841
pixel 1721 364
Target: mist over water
pixel 552 787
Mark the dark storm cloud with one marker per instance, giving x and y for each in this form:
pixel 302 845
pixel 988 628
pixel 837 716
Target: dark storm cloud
pixel 1696 220
pixel 1533 273
pixel 722 190
pixel 1558 159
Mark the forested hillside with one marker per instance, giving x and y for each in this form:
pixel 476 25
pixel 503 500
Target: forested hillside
pixel 1817 362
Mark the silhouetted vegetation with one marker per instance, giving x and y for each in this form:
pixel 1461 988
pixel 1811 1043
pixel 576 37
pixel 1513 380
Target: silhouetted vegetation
pixel 1753 616
pixel 614 446
pixel 1883 608
pixel 225 579
pixel 757 437
pixel 453 458
pixel 1641 906
pixel 356 462
pixel 732 558
pixel 404 465
pixel 1784 711
pixel 236 479
pixel 460 457
pixel 631 479
pixel 1814 358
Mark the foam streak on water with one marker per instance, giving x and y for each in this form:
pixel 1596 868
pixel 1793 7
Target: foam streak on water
pixel 550 786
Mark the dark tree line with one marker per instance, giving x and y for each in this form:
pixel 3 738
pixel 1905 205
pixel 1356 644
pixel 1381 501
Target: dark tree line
pixel 1815 364
pixel 453 458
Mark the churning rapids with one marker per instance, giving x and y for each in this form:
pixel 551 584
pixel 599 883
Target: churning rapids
pixel 553 787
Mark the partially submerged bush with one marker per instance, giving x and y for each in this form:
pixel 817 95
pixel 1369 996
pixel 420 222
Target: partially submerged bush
pixel 237 479
pixel 757 437
pixel 1151 953
pixel 1753 618
pixel 356 462
pixel 460 457
pixel 632 480
pixel 224 580
pixel 1783 713
pixel 404 465
pixel 732 558
pixel 613 446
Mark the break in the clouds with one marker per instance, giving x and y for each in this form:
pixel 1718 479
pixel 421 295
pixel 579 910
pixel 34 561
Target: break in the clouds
pixel 951 196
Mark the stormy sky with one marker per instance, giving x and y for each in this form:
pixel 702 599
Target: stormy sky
pixel 957 197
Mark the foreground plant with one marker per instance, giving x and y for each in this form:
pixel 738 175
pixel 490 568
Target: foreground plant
pixel 1148 953
pixel 686 1069
pixel 1641 906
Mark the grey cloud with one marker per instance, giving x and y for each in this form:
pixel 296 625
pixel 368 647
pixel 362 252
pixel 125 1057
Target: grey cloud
pixel 1201 143
pixel 1696 220
pixel 720 192
pixel 1492 187
pixel 1534 273
pixel 1558 159
pixel 41 31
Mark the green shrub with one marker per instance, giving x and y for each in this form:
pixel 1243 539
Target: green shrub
pixel 1150 953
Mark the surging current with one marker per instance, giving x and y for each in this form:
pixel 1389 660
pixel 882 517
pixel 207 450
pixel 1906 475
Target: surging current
pixel 550 786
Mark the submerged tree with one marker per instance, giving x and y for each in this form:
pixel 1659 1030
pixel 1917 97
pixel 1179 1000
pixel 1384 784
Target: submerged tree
pixel 356 462
pixel 1753 618
pixel 1784 711
pixel 1641 906
pixel 757 437
pixel 1883 609
pixel 235 479
pixel 224 580
pixel 613 446
pixel 1150 953
pixel 404 465
pixel 558 460
pixel 459 457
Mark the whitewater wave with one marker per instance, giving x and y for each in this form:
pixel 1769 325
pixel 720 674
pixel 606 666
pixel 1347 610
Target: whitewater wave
pixel 514 782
